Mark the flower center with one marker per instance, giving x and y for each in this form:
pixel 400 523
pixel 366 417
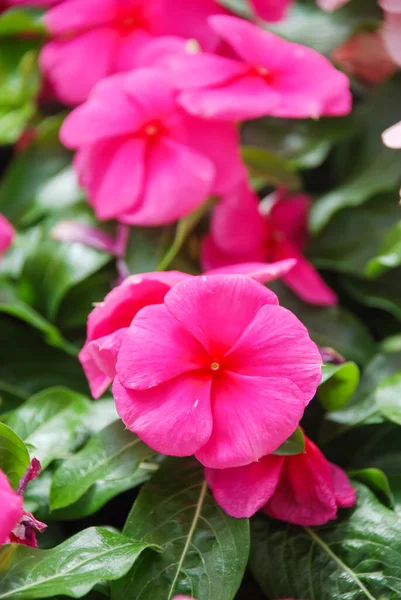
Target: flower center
pixel 215 366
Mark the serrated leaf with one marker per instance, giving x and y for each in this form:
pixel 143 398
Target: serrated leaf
pixel 294 445
pixel 204 551
pixel 339 382
pixel 71 569
pixel 52 422
pixel 14 456
pixel 356 557
pixel 113 455
pixel 272 168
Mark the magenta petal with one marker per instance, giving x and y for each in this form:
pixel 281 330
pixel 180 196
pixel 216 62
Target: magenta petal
pixel 79 15
pixel 198 70
pixel 151 92
pixel 7 234
pixel 97 379
pixel 261 272
pixel 216 309
pixel 11 508
pixel 156 349
pixel 343 491
pixel 173 418
pixel 242 491
pixel 178 180
pixel 104 351
pixel 271 10
pixel 252 417
pixel 277 344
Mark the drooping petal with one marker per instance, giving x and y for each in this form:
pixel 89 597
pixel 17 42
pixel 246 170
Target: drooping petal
pixel 156 349
pixel 174 418
pixel 97 379
pixel 344 493
pixel 11 508
pixel 277 344
pixel 252 417
pixel 178 180
pixel 216 309
pixel 242 491
pixel 104 351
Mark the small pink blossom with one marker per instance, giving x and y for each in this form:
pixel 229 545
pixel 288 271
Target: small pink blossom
pixel 241 233
pixel 218 370
pixel 271 76
pixel 11 508
pixel 144 161
pixel 7 234
pixel 110 319
pixel 304 489
pixel 271 10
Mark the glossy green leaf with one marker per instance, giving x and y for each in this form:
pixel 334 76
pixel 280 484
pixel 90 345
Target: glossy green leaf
pixel 71 569
pixel 377 481
pixel 114 455
pixel 21 21
pixel 376 168
pixel 388 397
pixel 339 382
pixel 204 551
pixel 52 422
pixel 294 445
pixel 356 557
pixel 389 255
pixel 14 456
pixel 273 169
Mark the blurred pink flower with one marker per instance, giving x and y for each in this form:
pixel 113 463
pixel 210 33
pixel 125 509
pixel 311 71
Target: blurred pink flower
pixel 241 233
pixel 304 489
pixel 7 234
pixel 271 10
pixel 110 33
pixel 144 161
pixel 110 319
pixel 11 508
pixel 270 77
pixel 392 28
pixel 218 370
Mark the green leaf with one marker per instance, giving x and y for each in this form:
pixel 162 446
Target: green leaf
pixel 14 456
pixel 114 455
pixel 375 480
pixel 375 168
pixel 71 569
pixel 204 551
pixel 383 293
pixel 52 422
pixel 389 255
pixel 332 327
pixel 21 21
pixel 339 382
pixel 145 250
pixel 294 445
pixel 356 557
pixel 272 168
pixel 388 397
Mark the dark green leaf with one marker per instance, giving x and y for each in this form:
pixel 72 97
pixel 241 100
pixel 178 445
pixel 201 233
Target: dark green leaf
pixel 272 168
pixel 114 455
pixel 21 21
pixel 204 551
pixel 376 480
pixel 357 557
pixel 339 382
pixel 146 248
pixel 52 422
pixel 389 255
pixel 71 569
pixel 383 293
pixel 294 445
pixel 14 457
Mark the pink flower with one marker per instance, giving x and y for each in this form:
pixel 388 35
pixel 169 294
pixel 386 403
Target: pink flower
pixel 270 77
pixel 392 136
pixel 241 233
pixel 110 319
pixel 141 158
pixel 7 234
pixel 392 28
pixel 271 10
pixel 11 508
pixel 218 369
pixel 304 489
pixel 113 31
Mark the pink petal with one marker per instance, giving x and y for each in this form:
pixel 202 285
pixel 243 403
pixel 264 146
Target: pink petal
pixel 156 349
pixel 393 6
pixel 75 15
pixel 11 508
pixel 178 180
pixel 220 143
pixel 216 309
pixel 62 60
pixel 94 121
pixel 104 351
pixel 129 47
pixel 343 491
pixel 303 279
pixel 271 10
pixel 242 491
pixel 159 51
pixel 277 344
pixel 173 418
pixel 199 69
pixel 97 379
pixel 247 97
pixel 261 272
pixel 289 215
pixel 392 136
pixel 213 259
pixel 304 495
pixel 252 417
pixel 7 234
pixel 152 93
pixel 123 181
